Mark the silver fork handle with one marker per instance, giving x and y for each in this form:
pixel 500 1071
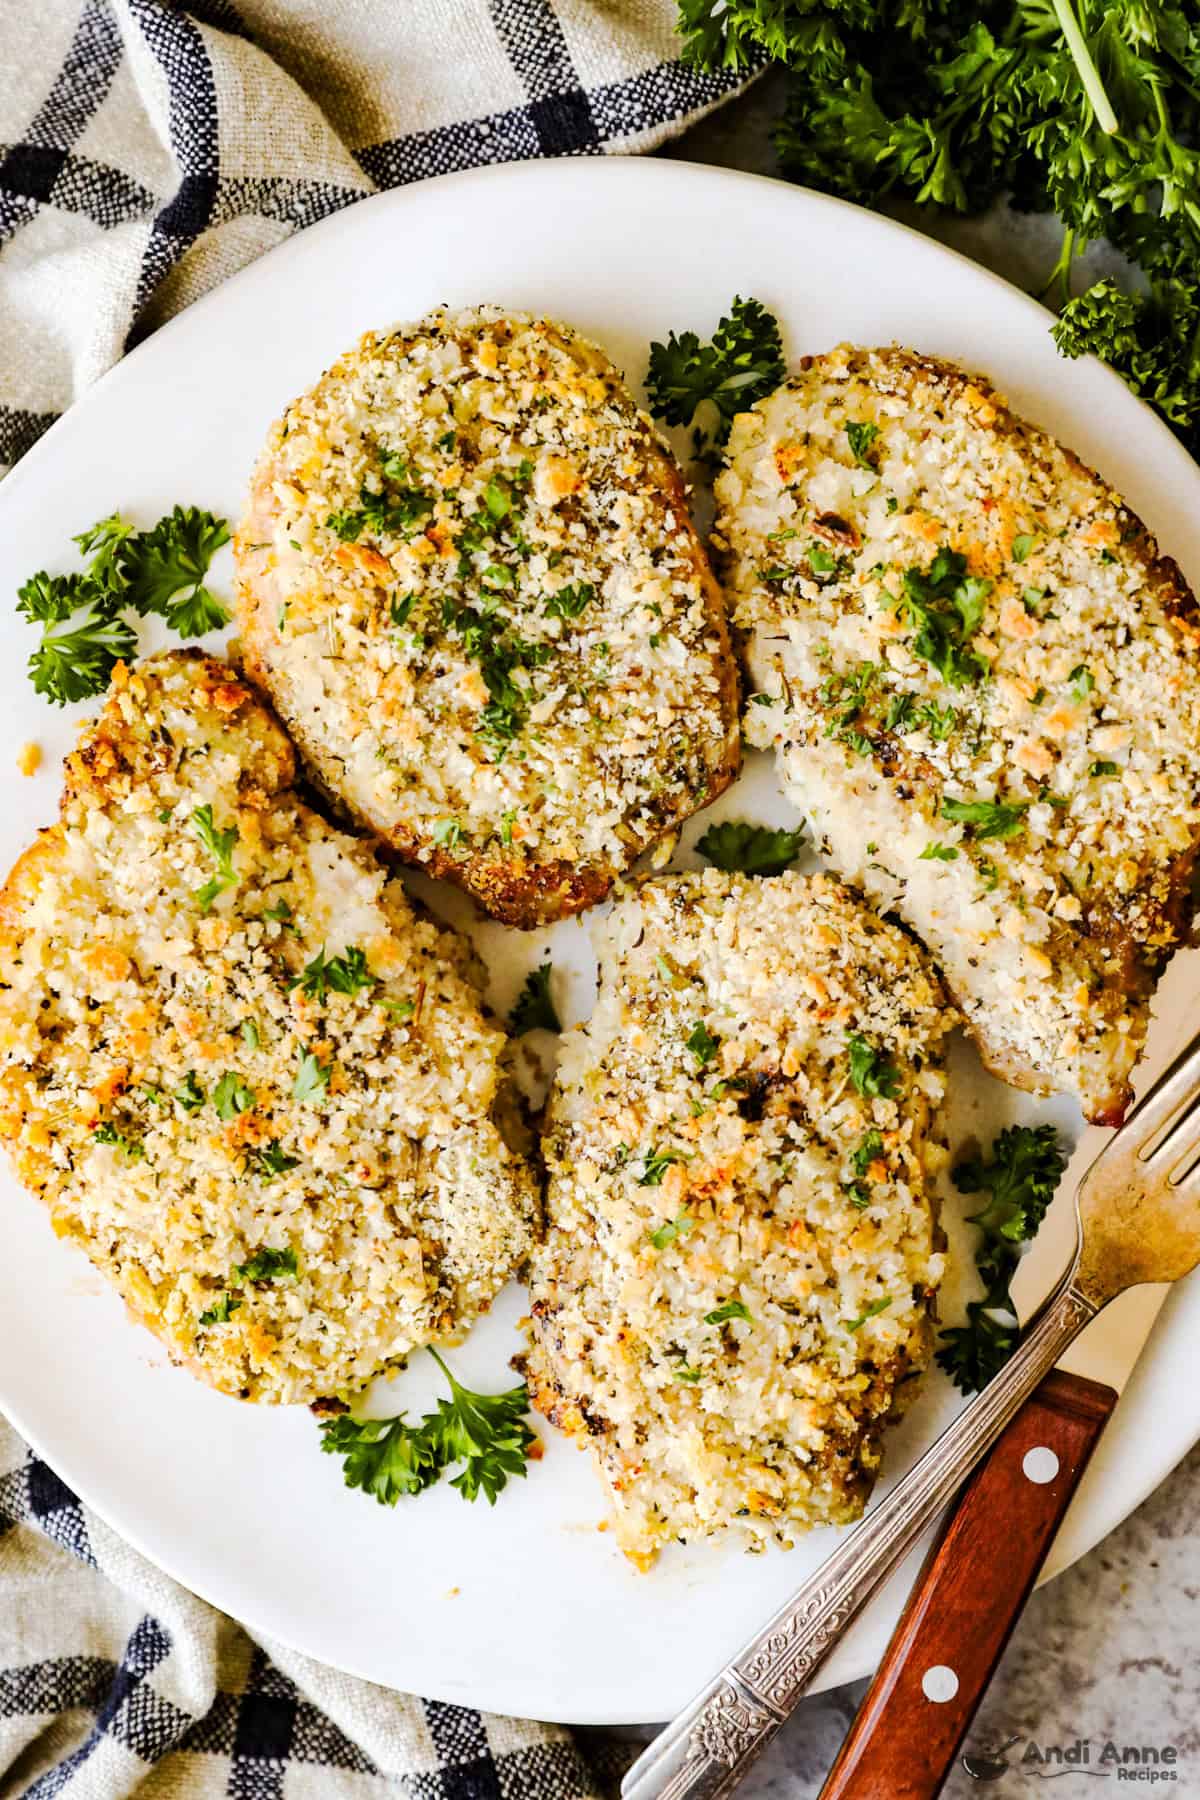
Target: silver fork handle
pixel 703 1754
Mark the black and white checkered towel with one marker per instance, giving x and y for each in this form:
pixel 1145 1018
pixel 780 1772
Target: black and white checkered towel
pixel 147 151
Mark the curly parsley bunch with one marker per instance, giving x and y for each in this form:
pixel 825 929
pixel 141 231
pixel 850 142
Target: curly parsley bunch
pixel 1089 108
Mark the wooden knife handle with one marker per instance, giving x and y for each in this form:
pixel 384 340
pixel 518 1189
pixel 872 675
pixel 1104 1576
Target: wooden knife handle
pixel 967 1598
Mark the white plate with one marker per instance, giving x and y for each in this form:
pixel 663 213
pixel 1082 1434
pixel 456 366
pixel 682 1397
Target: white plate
pixel 526 1608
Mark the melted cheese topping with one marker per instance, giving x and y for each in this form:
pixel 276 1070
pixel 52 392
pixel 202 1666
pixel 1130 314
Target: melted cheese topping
pixel 1060 677
pixel 740 1254
pixel 186 1100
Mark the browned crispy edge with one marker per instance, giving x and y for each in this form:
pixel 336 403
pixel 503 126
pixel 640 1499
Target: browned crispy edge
pixel 509 888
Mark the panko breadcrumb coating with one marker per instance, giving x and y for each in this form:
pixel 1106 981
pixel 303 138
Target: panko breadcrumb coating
pixel 253 1086
pixel 735 1289
pixel 470 584
pixel 982 682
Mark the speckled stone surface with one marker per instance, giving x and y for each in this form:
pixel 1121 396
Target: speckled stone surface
pixel 1110 1652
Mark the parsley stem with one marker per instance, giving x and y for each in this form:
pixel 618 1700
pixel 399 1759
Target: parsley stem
pixel 1089 74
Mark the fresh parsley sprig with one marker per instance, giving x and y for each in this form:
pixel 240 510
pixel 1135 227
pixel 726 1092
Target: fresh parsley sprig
pixel 534 1008
pixel 1020 1177
pixel 86 617
pixel 485 1434
pixel 751 849
pixel 742 364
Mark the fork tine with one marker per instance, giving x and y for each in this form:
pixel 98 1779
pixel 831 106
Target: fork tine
pixel 1163 1108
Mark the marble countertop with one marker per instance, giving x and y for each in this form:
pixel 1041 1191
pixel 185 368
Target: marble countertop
pixel 1111 1649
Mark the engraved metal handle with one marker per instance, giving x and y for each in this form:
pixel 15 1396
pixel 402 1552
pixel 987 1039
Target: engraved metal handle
pixel 703 1754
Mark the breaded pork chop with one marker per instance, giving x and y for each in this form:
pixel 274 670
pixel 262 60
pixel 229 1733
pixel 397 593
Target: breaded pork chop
pixel 470 585
pixel 983 685
pixel 736 1282
pixel 248 1082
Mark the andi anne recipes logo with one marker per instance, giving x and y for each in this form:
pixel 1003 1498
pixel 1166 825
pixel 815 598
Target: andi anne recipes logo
pixel 1018 1757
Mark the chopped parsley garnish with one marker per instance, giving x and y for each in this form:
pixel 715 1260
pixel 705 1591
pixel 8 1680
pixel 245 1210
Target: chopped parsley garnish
pixel 219 1313
pixel 860 437
pixel 667 1234
pixel 729 1309
pixel 189 1094
pixel 691 1376
pixel 570 601
pixel 944 607
pixel 938 853
pixel 988 818
pixel 1020 1177
pixel 265 1266
pixel 1021 546
pixel 129 1147
pixel 499 657
pixel 397 510
pixel 869 1151
pixel 1103 767
pixel 389 1458
pixel 344 974
pixel 446 833
pixel 989 875
pixel 820 560
pixel 872 1312
pixel 312 1078
pixel 220 846
pixel 250 1035
pixel 750 849
pixel 742 364
pixel 281 913
pixel 871 1070
pixel 86 627
pixel 271 1160
pixel 702 1044
pixel 655 1164
pixel 534 1008
pixel 1082 680
pixel 231 1096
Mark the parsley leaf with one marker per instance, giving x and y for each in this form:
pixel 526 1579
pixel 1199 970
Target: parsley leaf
pixel 312 1078
pixel 667 1234
pixel 264 1266
pixel 944 607
pixel 231 1096
pixel 871 1070
pixel 987 818
pixel 130 1147
pixel 752 849
pixel 729 1309
pixel 1020 1176
pixel 344 974
pixel 271 1160
pixel 860 438
pixel 534 1008
pixel 76 657
pixel 219 1313
pixel 189 1094
pixel 164 570
pixel 702 1044
pixel 655 1164
pixel 485 1433
pixel 220 846
pixel 743 363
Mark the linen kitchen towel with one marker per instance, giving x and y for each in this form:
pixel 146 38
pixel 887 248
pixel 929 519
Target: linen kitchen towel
pixel 148 151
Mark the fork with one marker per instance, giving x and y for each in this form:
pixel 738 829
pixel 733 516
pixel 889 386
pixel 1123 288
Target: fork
pixel 1137 1212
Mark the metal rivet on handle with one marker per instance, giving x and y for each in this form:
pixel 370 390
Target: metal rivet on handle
pixel 1040 1465
pixel 939 1683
